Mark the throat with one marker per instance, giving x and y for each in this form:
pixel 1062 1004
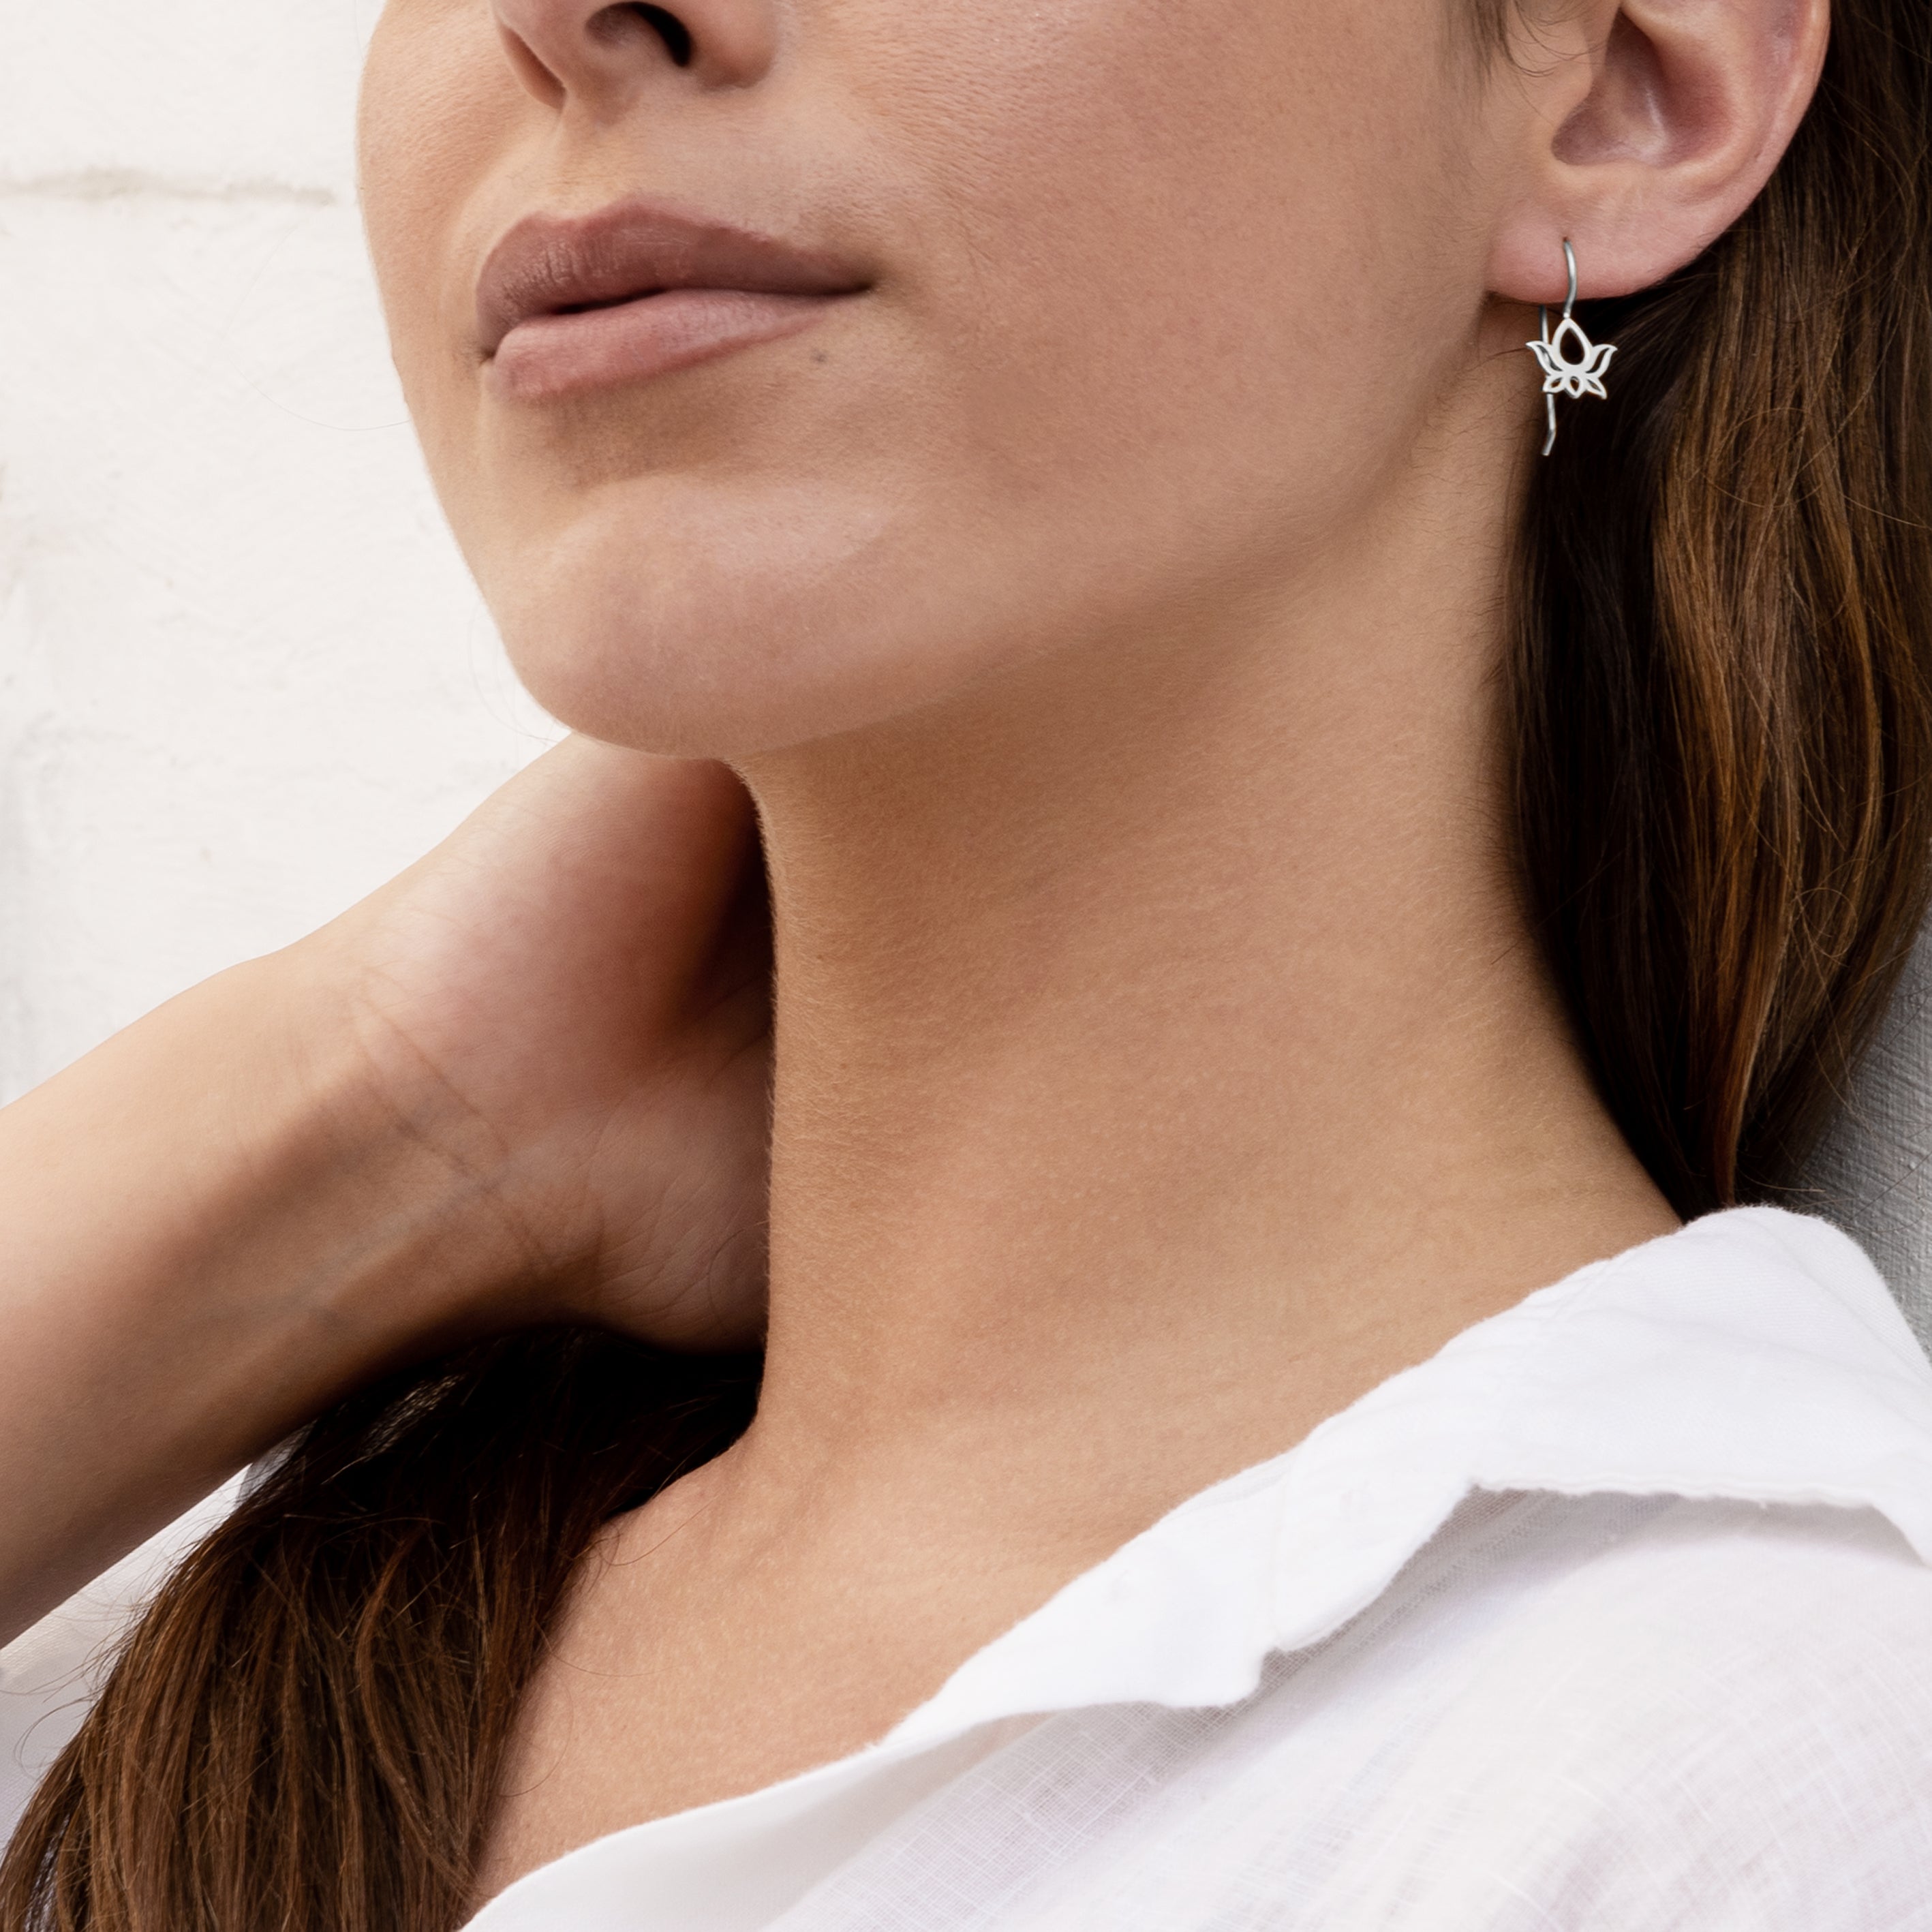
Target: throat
pixel 1138 1106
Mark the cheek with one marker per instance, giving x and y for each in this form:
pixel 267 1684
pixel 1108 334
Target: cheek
pixel 1190 236
pixel 438 112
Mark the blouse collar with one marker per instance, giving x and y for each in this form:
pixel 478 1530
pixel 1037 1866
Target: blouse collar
pixel 1754 1355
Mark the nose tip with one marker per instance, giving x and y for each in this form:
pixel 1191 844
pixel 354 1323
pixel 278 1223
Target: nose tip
pixel 598 56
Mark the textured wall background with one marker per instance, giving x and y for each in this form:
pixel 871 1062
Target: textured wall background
pixel 243 676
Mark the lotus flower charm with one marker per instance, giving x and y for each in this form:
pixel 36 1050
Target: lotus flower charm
pixel 1572 364
pixel 1578 373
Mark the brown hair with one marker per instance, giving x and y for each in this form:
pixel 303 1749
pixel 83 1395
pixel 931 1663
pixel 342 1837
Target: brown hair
pixel 302 1734
pixel 1722 683
pixel 1722 738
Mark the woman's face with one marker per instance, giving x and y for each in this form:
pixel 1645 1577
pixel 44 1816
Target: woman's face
pixel 1056 319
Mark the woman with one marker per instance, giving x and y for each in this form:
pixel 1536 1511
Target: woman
pixel 1285 902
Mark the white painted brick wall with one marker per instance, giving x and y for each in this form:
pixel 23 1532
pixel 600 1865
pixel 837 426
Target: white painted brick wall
pixel 243 675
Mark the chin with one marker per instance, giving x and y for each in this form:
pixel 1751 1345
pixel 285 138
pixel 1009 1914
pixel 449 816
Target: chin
pixel 703 621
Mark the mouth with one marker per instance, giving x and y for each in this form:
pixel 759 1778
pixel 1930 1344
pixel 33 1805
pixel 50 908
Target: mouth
pixel 566 303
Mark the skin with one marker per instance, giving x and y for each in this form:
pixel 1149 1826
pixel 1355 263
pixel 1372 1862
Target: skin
pixel 1100 613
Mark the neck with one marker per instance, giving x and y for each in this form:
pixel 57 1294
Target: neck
pixel 1163 1056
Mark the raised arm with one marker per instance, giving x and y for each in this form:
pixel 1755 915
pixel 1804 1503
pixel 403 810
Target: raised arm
pixel 525 1082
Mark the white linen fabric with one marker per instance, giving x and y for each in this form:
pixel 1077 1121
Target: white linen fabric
pixel 1616 1613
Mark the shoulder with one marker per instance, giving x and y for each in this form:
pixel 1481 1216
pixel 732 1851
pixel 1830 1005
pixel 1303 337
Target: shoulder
pixel 1604 1713
pixel 1668 1713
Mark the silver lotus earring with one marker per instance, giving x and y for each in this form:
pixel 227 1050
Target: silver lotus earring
pixel 1572 364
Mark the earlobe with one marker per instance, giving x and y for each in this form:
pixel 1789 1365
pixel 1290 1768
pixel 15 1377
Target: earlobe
pixel 1689 105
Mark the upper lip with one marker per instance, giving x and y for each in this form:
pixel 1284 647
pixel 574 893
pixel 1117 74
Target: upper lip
pixel 551 265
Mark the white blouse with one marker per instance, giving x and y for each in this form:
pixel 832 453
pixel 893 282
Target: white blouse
pixel 1613 1616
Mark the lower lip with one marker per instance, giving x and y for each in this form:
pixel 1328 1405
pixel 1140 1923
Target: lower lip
pixel 556 355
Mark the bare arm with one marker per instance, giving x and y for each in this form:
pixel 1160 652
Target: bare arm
pixel 523 1083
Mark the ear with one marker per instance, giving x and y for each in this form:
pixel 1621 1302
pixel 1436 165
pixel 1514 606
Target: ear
pixel 1641 131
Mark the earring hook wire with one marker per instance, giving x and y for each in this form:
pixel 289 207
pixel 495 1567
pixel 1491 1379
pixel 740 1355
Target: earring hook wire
pixel 1542 322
